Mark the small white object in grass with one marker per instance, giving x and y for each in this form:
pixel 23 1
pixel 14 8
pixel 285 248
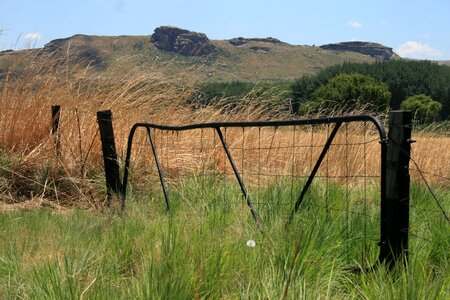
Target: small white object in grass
pixel 251 243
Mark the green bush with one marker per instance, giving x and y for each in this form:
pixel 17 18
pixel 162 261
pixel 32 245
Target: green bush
pixel 350 91
pixel 424 107
pixel 234 93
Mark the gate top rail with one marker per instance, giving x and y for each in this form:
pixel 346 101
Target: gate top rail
pixel 279 123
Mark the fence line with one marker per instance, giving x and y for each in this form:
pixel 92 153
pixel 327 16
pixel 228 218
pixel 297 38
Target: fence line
pixel 267 156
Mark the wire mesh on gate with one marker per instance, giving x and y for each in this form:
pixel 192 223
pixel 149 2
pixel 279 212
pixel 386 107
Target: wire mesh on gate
pixel 330 169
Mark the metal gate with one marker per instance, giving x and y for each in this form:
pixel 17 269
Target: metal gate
pixel 325 168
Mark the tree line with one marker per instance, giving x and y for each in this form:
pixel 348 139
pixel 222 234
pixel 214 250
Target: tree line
pixel 397 84
pixel 423 86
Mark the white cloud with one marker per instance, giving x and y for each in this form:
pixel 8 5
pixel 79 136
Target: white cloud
pixel 413 49
pixel 354 24
pixel 33 36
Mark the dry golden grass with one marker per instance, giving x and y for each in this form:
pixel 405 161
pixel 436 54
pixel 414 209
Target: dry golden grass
pixel 33 169
pixel 285 151
pixel 431 152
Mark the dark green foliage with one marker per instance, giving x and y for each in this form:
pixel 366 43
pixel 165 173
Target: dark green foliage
pixel 238 92
pixel 214 91
pixel 350 91
pixel 424 107
pixel 404 78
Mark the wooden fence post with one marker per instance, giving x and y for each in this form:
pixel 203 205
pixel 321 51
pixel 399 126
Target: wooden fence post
pixel 113 185
pixel 56 117
pixel 395 215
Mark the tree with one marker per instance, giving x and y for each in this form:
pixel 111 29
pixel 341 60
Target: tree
pixel 424 107
pixel 350 91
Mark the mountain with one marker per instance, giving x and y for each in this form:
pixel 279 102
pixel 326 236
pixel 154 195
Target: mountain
pixel 176 51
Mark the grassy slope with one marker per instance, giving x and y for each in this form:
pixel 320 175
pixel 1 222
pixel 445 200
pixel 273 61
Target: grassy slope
pixel 282 62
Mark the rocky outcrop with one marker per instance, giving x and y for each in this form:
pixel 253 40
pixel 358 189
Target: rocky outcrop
pixel 375 50
pixel 242 41
pixel 182 41
pixel 238 41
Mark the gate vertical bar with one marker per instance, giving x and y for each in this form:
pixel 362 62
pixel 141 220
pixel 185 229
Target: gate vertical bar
pixel 113 184
pixel 395 210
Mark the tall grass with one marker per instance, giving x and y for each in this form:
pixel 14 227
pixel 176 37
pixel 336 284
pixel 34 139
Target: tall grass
pixel 36 81
pixel 200 251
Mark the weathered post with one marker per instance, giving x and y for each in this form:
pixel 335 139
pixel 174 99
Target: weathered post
pixel 113 185
pixel 395 209
pixel 56 117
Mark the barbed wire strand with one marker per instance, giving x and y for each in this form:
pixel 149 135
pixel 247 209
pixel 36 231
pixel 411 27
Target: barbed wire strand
pixel 428 187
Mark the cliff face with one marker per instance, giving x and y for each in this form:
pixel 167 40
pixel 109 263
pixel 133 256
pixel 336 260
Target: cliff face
pixel 375 50
pixel 182 41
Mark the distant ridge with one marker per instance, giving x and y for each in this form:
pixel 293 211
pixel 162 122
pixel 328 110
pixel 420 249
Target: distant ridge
pixel 176 51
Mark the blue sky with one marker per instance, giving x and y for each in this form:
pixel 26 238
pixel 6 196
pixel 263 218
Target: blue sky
pixel 415 29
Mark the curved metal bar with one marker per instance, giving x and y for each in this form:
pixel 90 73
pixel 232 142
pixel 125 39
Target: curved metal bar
pixel 127 164
pixel 298 122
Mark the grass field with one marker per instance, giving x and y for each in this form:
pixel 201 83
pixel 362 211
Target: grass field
pixel 200 251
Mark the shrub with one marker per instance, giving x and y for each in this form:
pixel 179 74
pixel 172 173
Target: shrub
pixel 350 91
pixel 424 107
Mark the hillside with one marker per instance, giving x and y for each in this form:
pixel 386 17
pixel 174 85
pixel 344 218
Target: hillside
pixel 256 59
